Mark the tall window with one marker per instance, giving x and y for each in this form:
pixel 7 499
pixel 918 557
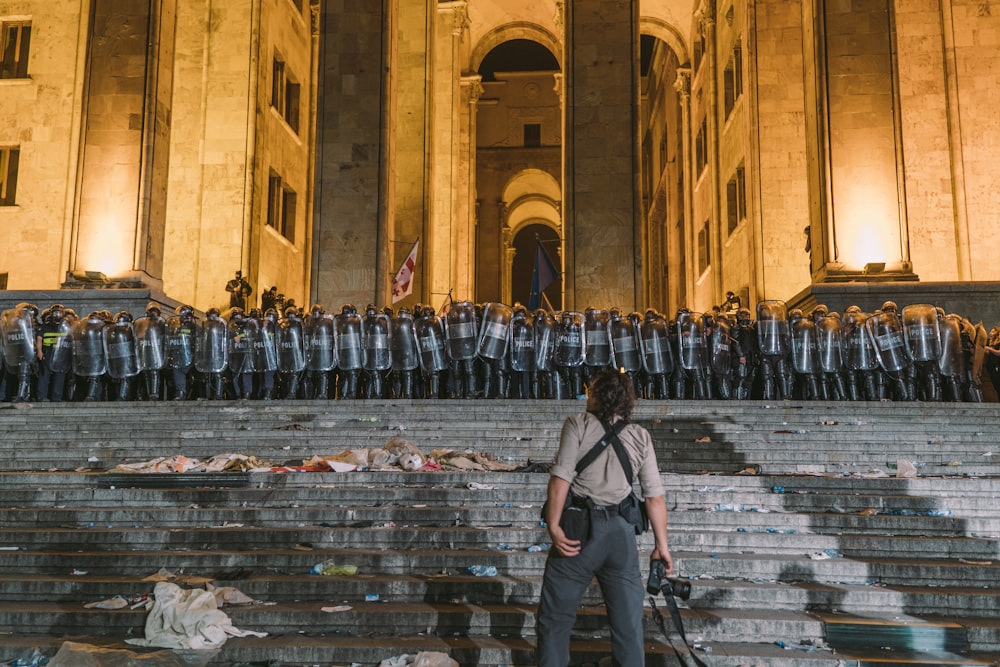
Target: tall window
pixel 736 199
pixel 281 207
pixel 532 135
pixel 733 79
pixel 704 253
pixel 285 93
pixel 701 148
pixel 15 37
pixel 8 175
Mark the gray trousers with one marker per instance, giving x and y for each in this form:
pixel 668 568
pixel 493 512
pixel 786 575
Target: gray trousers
pixel 611 556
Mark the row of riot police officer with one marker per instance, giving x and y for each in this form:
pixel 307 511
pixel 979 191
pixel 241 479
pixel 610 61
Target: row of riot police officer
pixel 491 351
pixel 917 353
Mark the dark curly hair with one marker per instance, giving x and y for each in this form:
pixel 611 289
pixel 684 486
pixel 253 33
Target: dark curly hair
pixel 613 395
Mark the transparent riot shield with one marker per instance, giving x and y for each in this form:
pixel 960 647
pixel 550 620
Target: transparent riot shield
pixel 212 349
pixel 522 344
pixel 596 325
pixel 460 327
pixel 495 331
pixel 921 332
pixel 692 347
pixel 120 351
pixel 378 355
pixel 89 359
pixel 350 349
pixel 654 346
pixel 403 343
pixel 569 343
pixel 151 343
pixel 625 345
pixel 772 328
pixel 321 351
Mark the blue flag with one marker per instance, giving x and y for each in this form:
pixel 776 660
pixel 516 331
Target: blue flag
pixel 544 275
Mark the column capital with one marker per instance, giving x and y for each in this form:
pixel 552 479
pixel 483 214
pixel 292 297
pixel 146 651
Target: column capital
pixel 472 85
pixel 706 14
pixel 459 11
pixel 557 85
pixel 682 84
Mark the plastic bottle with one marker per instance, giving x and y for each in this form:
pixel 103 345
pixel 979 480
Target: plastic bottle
pixel 483 570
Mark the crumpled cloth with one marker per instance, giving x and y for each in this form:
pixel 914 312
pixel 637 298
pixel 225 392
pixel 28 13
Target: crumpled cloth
pixel 422 659
pixel 187 619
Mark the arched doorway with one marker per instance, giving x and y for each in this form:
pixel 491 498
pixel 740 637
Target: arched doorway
pixel 525 260
pixel 518 159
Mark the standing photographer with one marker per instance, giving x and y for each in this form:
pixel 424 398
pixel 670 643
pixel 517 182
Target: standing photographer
pixel 599 544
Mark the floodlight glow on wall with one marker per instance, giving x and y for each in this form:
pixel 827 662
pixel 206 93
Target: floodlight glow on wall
pixel 866 224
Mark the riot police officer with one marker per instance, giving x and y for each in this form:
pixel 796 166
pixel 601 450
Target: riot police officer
pixel 544 329
pixel 182 334
pixel 405 355
pixel 830 350
pixel 377 353
pixel 122 359
pixel 18 326
pixel 350 351
pixel 491 348
pixel 625 345
pixel 523 380
pixel 212 353
pixel 773 345
pixel 744 335
pixel 321 352
pixel 433 351
pixel 657 359
pixel 151 350
pixel 568 355
pixel 265 351
pixel 887 331
pixel 802 336
pixel 55 353
pixel 864 381
pixel 923 340
pixel 89 357
pixel 691 378
pixel 291 344
pixel 461 330
pixel 240 342
pixel 597 351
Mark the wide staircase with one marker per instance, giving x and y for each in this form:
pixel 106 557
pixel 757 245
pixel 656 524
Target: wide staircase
pixel 813 534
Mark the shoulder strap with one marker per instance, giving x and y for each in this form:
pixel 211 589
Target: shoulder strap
pixel 610 436
pixel 616 442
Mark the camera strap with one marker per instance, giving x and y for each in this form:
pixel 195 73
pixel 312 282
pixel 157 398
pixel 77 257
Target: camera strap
pixel 675 614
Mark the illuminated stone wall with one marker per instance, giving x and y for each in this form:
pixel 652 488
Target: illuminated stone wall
pixel 40 115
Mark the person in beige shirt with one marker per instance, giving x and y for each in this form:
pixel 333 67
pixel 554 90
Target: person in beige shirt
pixel 610 553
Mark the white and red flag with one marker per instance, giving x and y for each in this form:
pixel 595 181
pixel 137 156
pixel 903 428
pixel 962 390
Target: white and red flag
pixel 402 284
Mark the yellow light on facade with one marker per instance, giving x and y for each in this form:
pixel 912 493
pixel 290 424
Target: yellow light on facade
pixel 867 224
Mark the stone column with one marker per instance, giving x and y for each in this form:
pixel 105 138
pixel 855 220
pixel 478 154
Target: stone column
pixel 444 130
pixel 119 229
pixel 602 200
pixel 707 18
pixel 860 225
pixel 464 248
pixel 683 86
pixel 349 147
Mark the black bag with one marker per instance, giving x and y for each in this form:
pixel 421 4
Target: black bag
pixel 633 510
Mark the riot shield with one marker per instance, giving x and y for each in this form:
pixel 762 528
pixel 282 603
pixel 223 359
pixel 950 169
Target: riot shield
pixel 460 326
pixel 151 343
pixel 803 344
pixel 569 343
pixel 494 332
pixel 952 361
pixel 291 344
pixel 18 330
pixel 181 337
pixel 241 336
pixel 89 359
pixel 350 350
pixel 772 328
pixel 921 332
pixel 596 325
pixel 265 346
pixel 432 342
pixel 212 349
pixel 120 351
pixel 890 345
pixel 859 346
pixel 522 344
pixel 62 352
pixel 830 344
pixel 545 341
pixel 692 348
pixel 321 350
pixel 624 345
pixel 403 343
pixel 378 355
pixel 718 346
pixel 654 345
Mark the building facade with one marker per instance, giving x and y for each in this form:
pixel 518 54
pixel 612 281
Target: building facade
pixel 663 152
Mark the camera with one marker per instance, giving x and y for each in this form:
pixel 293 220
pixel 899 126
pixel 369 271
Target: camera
pixel 659 582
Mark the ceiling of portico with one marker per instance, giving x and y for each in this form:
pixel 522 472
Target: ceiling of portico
pixel 492 22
